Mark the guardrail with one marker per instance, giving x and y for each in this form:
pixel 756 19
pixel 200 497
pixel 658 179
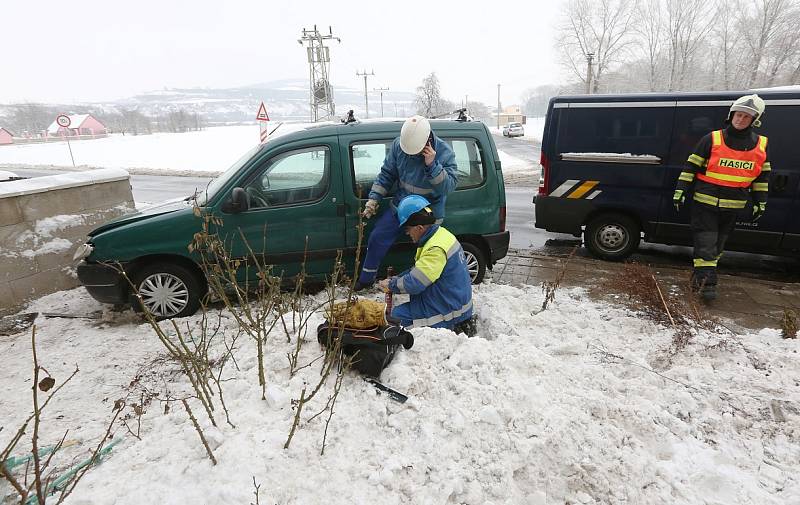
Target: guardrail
pixel 59 138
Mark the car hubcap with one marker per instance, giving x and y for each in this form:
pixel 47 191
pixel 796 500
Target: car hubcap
pixel 164 294
pixel 472 266
pixel 612 237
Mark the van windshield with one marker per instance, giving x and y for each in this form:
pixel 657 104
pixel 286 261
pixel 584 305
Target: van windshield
pixel 221 180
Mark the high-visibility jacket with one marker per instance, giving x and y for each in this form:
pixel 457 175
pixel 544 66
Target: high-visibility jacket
pixel 407 174
pixel 439 284
pixel 706 189
pixel 732 168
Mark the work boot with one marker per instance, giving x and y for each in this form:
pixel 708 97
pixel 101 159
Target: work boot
pixel 469 327
pixel 704 283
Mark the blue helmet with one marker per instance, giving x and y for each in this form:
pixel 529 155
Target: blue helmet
pixel 409 206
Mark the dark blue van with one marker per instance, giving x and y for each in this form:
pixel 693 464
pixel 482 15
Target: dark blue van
pixel 610 164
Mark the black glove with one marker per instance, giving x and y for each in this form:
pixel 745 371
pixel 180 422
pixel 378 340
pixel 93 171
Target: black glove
pixel 677 199
pixel 758 210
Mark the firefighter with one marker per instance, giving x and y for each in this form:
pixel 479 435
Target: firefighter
pixel 418 163
pixel 727 169
pixel 438 285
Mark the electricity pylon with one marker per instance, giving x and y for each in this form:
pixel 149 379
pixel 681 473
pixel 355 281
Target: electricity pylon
pixel 319 59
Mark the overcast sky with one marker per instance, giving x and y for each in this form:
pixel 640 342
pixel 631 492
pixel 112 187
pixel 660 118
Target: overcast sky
pixel 100 50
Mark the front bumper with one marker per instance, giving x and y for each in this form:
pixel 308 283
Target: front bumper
pixel 104 282
pixel 498 245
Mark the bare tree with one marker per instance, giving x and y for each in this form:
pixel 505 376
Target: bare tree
pixel 688 23
pixel 649 29
pixel 600 28
pixel 759 29
pixel 429 99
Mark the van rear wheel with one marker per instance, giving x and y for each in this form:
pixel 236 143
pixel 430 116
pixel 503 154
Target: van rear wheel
pixel 612 236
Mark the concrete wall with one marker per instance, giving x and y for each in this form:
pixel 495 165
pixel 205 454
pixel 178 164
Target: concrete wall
pixel 43 220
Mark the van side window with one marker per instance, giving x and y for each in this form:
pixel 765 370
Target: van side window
pixel 469 161
pixel 367 160
pixel 291 178
pixel 691 123
pixel 634 130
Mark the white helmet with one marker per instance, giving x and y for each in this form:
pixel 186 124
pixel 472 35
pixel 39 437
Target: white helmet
pixel 749 104
pixel 414 134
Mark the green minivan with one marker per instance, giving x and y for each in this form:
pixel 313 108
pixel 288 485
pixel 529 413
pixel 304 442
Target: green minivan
pixel 297 195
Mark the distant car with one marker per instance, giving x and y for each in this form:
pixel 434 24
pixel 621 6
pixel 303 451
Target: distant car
pixel 8 176
pixel 513 130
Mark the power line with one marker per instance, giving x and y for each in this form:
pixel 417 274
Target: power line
pixel 319 59
pixel 366 99
pixel 381 91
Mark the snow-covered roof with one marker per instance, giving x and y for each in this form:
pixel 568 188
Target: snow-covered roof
pixel 76 120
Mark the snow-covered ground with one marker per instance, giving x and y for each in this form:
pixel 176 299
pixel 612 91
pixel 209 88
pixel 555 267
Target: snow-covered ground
pixel 530 411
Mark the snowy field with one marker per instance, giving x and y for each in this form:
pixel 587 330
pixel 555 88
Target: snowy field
pixel 533 130
pixel 534 410
pixel 207 152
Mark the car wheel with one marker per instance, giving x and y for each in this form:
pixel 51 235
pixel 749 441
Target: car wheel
pixel 476 261
pixel 612 236
pixel 167 290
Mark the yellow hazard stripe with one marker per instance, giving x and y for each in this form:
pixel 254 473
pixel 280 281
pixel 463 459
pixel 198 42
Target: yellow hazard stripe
pixel 727 177
pixel 697 160
pixel 686 176
pixel 699 262
pixel 717 202
pixel 583 189
pixel 716 137
pixel 767 167
pixel 760 186
pixel 762 142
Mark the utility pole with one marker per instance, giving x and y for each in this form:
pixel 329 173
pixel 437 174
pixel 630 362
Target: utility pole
pixel 589 58
pixel 498 106
pixel 319 59
pixel 366 99
pixel 381 90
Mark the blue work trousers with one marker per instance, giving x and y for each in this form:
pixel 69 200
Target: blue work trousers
pixel 384 234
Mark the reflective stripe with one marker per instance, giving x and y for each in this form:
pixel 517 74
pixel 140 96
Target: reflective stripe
pixel 699 262
pixel 767 167
pixel 728 177
pixel 566 186
pixel 379 189
pixel 716 137
pixel 583 189
pixel 686 176
pixel 415 190
pixel 370 270
pixel 401 286
pixel 762 143
pixel 716 202
pixel 420 276
pixel 438 179
pixel 438 318
pixel 453 249
pixel 760 186
pixel 696 160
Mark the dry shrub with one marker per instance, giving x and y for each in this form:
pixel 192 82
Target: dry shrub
pixel 789 324
pixel 680 311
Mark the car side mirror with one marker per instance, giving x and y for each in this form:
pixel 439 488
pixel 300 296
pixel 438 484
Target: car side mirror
pixel 237 203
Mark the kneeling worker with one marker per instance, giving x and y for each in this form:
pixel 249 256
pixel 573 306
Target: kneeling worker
pixel 439 283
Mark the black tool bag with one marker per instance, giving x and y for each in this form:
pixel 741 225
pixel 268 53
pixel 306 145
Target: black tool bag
pixel 372 349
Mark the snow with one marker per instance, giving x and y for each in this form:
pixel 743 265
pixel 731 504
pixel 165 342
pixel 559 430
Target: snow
pixel 61 181
pixel 534 128
pixel 623 157
pixel 573 404
pixel 206 152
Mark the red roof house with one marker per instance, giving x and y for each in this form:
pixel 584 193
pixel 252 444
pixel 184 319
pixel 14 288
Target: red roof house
pixel 80 124
pixel 5 137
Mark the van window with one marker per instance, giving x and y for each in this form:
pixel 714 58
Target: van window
pixel 367 159
pixel 691 123
pixel 291 178
pixel 634 130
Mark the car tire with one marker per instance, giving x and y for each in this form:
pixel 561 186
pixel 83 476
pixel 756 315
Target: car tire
pixel 612 236
pixel 476 261
pixel 167 290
